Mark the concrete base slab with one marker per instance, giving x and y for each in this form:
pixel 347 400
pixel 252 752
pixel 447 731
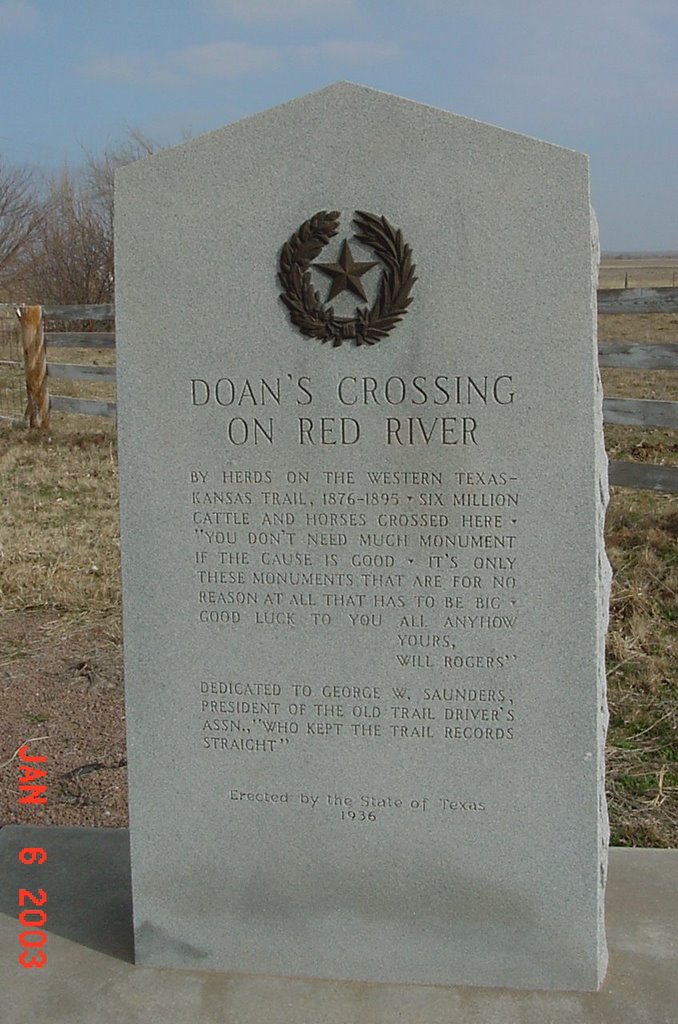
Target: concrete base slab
pixel 89 977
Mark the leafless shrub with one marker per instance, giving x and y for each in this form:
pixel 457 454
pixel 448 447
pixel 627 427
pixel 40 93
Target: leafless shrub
pixel 20 216
pixel 70 257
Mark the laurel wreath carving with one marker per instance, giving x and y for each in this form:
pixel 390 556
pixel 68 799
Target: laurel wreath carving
pixel 308 312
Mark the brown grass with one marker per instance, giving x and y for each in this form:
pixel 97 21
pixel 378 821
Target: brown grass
pixel 642 272
pixel 59 522
pixel 642 655
pixel 642 647
pixel 652 445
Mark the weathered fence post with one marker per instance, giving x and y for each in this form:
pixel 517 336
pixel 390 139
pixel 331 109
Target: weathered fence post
pixel 35 364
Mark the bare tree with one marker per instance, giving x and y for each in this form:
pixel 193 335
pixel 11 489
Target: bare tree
pixel 100 170
pixel 99 175
pixel 20 216
pixel 71 260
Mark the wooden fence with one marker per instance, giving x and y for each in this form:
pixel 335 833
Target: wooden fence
pixel 40 371
pixel 79 371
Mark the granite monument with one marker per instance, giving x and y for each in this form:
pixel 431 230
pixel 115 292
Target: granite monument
pixel 365 590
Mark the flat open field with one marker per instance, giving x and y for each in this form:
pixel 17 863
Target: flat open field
pixel 638 271
pixel 60 635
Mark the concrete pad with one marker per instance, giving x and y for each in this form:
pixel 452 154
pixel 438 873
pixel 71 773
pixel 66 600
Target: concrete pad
pixel 89 977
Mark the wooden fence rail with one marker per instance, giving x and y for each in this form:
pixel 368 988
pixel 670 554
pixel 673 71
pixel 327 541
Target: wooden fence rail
pixel 80 371
pixel 618 354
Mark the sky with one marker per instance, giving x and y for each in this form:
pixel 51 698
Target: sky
pixel 599 76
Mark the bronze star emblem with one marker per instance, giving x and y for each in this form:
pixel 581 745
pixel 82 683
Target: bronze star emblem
pixel 346 274
pixel 315 319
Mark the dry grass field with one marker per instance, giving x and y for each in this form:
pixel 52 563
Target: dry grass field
pixel 60 635
pixel 642 648
pixel 639 272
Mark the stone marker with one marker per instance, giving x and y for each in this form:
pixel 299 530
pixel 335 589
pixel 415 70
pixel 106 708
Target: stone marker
pixel 365 591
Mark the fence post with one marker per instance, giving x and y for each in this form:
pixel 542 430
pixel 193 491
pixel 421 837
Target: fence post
pixel 35 364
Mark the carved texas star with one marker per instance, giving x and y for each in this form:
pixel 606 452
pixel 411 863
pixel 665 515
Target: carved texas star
pixel 346 274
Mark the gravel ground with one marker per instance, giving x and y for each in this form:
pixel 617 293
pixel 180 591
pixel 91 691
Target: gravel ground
pixel 61 687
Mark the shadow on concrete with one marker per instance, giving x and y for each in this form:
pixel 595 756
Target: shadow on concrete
pixel 87 880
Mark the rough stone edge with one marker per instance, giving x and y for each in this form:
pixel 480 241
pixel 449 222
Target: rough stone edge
pixel 604 585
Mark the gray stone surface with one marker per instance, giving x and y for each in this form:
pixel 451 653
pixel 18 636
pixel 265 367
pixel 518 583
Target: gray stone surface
pixel 364 606
pixel 89 978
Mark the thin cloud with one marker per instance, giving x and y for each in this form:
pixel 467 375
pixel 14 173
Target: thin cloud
pixel 229 60
pixel 181 67
pixel 133 70
pixel 563 60
pixel 569 69
pixel 17 17
pixel 280 10
pixel 348 51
